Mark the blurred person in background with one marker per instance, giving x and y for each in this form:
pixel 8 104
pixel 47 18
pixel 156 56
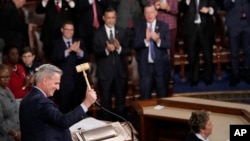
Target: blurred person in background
pixel 56 12
pixel 13 28
pixel 18 83
pixel 238 27
pixel 9 120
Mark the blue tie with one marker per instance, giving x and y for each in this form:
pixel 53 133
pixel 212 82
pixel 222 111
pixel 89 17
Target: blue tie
pixel 68 44
pixel 151 45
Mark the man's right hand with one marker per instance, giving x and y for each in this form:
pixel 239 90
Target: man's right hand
pixel 90 97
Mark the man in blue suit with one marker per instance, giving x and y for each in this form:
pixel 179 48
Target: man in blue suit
pixel 151 43
pixel 40 119
pixel 238 23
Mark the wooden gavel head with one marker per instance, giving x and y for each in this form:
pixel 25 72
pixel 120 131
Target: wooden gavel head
pixel 82 67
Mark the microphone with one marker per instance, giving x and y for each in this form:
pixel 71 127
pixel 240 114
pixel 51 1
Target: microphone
pixel 129 125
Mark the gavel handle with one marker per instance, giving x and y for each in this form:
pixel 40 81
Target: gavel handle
pixel 86 79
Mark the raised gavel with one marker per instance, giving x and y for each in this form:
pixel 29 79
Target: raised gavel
pixel 82 68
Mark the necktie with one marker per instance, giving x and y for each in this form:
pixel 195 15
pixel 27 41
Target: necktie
pixel 197 9
pixel 111 37
pixel 151 44
pixel 95 18
pixel 68 44
pixel 58 8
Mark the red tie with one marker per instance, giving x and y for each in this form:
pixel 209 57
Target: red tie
pixel 95 18
pixel 58 8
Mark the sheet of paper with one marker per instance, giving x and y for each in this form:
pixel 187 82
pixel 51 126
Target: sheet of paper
pixel 86 124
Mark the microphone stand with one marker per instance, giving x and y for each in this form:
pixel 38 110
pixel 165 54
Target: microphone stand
pixel 100 106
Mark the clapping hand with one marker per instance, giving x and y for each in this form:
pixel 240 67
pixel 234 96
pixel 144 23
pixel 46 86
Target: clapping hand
pixel 110 47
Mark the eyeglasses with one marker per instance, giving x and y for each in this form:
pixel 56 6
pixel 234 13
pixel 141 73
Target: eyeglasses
pixel 5 77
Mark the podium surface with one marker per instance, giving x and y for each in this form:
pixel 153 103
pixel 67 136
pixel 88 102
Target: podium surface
pixel 91 129
pixel 169 120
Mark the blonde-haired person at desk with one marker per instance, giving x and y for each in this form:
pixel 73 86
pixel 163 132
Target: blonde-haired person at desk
pixel 9 122
pixel 201 126
pixel 40 119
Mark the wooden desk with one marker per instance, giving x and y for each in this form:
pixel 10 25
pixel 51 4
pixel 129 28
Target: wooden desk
pixel 170 123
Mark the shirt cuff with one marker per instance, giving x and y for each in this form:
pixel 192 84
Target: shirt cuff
pixel 211 11
pixel 91 1
pixel 188 2
pixel 159 44
pixel 71 4
pixel 85 109
pixel 233 1
pixel 107 52
pixel 44 3
pixel 66 53
pixel 119 50
pixel 80 55
pixel 146 43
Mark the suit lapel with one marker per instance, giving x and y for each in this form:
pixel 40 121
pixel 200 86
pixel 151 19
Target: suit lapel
pixel 116 32
pixel 63 43
pixel 157 26
pixel 104 33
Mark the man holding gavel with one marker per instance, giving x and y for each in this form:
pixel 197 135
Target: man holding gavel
pixel 40 119
pixel 110 49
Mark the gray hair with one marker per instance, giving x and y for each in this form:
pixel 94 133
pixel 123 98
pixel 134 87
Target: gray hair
pixel 46 70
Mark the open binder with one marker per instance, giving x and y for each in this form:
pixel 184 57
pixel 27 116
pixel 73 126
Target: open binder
pixel 91 129
pixel 97 134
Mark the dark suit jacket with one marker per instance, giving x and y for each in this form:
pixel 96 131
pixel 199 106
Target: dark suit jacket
pixel 189 16
pixel 105 67
pixel 41 120
pixel 233 13
pixel 53 20
pixel 13 28
pixel 70 78
pixel 85 16
pixel 162 57
pixel 126 12
pixel 67 64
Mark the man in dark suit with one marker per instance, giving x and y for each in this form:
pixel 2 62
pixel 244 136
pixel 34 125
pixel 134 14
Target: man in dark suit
pixel 198 31
pixel 110 49
pixel 13 28
pixel 238 23
pixel 56 12
pixel 40 119
pixel 66 54
pixel 89 18
pixel 151 43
